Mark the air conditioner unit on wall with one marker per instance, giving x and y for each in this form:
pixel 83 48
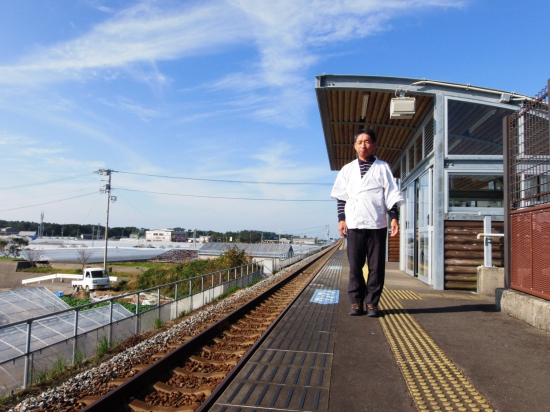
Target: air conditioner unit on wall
pixel 402 108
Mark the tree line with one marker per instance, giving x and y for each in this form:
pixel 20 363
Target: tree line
pixel 75 230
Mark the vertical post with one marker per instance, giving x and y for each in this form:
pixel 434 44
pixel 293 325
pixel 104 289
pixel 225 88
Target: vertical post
pixel 75 335
pixel 108 190
pixel 176 298
pixel 137 313
pixel 202 289
pixel 27 355
pixel 111 323
pixel 487 245
pixel 507 191
pixel 241 271
pixel 439 186
pixel 190 295
pixel 158 303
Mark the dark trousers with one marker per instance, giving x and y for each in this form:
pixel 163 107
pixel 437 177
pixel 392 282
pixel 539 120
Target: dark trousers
pixel 366 245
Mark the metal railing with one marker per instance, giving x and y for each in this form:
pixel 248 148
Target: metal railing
pixel 527 197
pixel 188 294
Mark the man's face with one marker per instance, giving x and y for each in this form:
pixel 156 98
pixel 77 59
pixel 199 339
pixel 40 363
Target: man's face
pixel 364 146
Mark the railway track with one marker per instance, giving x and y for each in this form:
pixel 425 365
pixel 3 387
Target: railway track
pixel 192 371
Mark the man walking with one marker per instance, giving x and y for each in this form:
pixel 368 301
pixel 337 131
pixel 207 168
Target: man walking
pixel 366 191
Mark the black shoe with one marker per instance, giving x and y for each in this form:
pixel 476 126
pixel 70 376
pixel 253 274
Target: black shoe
pixel 356 309
pixel 372 311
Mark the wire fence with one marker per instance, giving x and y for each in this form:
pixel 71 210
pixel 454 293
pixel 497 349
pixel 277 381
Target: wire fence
pixel 41 356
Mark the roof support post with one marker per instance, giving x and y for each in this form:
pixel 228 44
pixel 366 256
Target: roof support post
pixel 438 268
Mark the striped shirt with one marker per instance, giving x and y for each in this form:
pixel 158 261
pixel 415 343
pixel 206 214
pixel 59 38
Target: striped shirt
pixel 364 167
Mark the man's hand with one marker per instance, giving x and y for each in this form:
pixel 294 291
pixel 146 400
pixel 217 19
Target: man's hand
pixel 394 227
pixel 343 228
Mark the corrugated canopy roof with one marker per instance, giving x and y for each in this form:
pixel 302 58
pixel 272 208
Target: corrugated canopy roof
pixel 340 100
pixel 343 110
pixel 344 116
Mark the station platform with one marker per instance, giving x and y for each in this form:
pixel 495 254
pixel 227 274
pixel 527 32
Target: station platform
pixel 429 350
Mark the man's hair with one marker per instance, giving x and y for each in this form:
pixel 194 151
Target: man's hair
pixel 365 131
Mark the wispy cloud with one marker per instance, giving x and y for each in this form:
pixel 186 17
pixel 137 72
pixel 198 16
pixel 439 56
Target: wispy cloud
pixel 136 109
pixel 143 33
pixel 290 37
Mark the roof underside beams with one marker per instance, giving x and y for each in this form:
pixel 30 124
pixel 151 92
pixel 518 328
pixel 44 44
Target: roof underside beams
pixel 343 118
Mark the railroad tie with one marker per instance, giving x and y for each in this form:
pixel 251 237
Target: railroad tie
pixel 140 406
pixel 240 335
pixel 245 343
pixel 199 359
pixel 183 372
pixel 163 387
pixel 226 352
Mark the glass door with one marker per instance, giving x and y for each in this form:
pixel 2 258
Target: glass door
pixel 424 226
pixel 409 229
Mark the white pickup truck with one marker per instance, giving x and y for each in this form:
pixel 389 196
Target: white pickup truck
pixel 92 278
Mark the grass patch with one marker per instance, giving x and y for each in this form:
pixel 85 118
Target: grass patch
pixel 10 259
pixel 102 346
pixel 225 294
pixel 148 265
pixel 158 323
pixel 58 367
pixel 254 281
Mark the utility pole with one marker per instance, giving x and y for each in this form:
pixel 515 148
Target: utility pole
pixel 41 229
pixel 106 189
pixel 328 232
pixel 279 235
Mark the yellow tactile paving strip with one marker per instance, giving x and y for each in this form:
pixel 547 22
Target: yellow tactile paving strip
pixel 434 381
pixel 405 294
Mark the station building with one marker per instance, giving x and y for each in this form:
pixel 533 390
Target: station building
pixel 444 143
pixel 165 235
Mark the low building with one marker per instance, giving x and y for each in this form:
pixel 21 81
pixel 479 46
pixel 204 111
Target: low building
pixel 28 234
pixel 304 240
pixel 165 235
pixel 201 239
pixel 9 231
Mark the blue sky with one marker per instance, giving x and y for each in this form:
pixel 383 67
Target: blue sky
pixel 220 90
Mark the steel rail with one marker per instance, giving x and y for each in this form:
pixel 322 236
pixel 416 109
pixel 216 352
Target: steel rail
pixel 124 393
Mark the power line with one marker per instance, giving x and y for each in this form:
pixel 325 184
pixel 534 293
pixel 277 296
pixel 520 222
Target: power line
pixel 47 203
pixel 43 183
pixel 226 181
pixel 225 197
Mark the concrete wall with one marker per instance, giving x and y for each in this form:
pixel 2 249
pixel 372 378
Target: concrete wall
pixel 535 311
pixel 488 280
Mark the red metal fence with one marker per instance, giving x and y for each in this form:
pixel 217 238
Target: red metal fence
pixel 527 170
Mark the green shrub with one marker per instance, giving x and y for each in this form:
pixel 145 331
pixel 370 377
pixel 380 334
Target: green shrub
pixel 225 294
pixel 159 276
pixel 102 346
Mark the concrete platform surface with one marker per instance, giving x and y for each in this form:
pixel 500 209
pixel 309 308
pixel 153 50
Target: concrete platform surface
pixel 463 354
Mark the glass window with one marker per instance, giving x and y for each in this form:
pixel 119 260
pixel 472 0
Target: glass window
pixel 476 190
pixel 474 129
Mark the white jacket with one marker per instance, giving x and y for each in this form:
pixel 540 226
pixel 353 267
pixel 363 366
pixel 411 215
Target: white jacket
pixel 369 198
